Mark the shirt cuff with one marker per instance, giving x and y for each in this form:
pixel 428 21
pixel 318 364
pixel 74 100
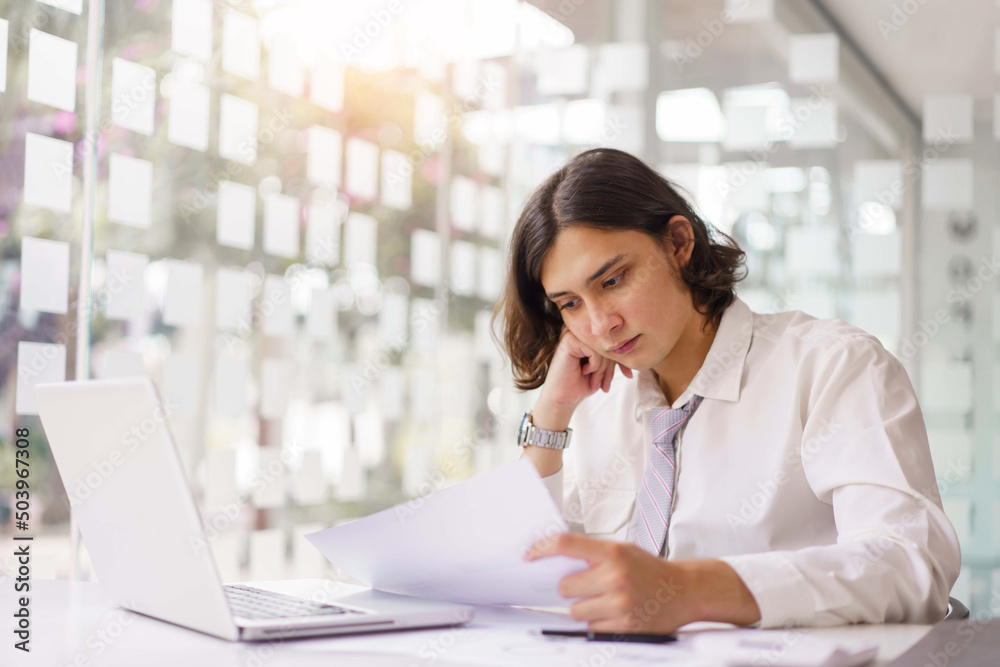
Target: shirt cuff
pixel 781 592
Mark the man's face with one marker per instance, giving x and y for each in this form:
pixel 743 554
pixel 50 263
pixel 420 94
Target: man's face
pixel 618 292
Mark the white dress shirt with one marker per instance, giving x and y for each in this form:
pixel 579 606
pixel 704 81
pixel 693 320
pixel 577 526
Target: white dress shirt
pixel 806 468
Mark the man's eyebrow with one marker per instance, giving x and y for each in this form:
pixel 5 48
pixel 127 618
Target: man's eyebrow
pixel 597 274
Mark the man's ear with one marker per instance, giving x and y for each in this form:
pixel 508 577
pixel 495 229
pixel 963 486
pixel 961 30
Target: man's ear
pixel 680 240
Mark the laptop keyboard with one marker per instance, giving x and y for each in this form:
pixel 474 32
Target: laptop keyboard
pixel 257 603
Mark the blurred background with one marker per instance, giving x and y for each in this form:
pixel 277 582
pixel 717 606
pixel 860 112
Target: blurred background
pixel 292 215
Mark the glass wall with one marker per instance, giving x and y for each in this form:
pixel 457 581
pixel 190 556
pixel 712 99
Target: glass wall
pixel 292 216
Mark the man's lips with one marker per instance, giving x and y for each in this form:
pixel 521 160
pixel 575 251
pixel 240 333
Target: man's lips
pixel 624 347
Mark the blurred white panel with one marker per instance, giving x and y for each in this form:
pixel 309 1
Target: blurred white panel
pixel 625 128
pixel 746 128
pixel 416 467
pixel 188 122
pixel 275 387
pixel 240 45
pixel 463 267
pixel 323 165
pixel 952 454
pixel 391 392
pixel 180 383
pixel 321 320
pixel 281 226
pixel 464 203
pixel 815 127
pixel 323 228
pixel 192 28
pixel 369 438
pixel 959 511
pixel 750 11
pixel 361 163
pixel 232 300
pixel 330 433
pixel 392 318
pixel 236 216
pixel 360 238
pixel 563 72
pixel 425 257
pixel 584 122
pixel 397 180
pixel 231 379
pixel 326 89
pixel 430 124
pixel 423 388
pixel 48 172
pixel 621 66
pixel 130 190
pixel 689 115
pixel 267 554
pixel 878 254
pixel 37 363
pixel 465 78
pixel 220 479
pixel 353 482
pixel 72 6
pixel 746 186
pixel 4 30
pixel 947 184
pixel 308 561
pixel 51 70
pixel 44 275
pixel 425 324
pixel 880 181
pixel 285 72
pixel 877 312
pixel 538 123
pixel 121 364
pixel 485 347
pixel 494 80
pixel 308 482
pixel 812 251
pixel 948 118
pixel 491 273
pixel 491 222
pixel 491 158
pixel 814 58
pixel 133 96
pixel 276 304
pixel 946 385
pixel 238 129
pixel 125 284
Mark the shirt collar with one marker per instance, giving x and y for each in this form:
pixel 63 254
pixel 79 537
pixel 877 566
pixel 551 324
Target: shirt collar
pixel 720 375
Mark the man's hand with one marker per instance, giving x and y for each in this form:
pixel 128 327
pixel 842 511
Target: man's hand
pixel 629 590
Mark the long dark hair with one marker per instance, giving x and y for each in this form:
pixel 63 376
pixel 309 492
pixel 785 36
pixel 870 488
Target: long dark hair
pixel 605 189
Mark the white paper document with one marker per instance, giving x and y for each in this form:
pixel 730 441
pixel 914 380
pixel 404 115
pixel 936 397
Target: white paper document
pixel 462 544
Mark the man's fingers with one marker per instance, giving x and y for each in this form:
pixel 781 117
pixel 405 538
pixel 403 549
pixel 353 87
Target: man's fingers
pixel 596 608
pixel 592 581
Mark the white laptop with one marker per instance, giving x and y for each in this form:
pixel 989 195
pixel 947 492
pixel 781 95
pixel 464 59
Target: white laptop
pixel 144 534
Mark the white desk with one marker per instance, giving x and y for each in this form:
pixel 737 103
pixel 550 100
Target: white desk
pixel 73 623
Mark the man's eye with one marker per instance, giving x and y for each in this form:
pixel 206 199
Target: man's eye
pixel 612 282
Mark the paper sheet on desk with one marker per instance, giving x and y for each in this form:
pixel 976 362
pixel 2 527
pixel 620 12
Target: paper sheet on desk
pixel 464 543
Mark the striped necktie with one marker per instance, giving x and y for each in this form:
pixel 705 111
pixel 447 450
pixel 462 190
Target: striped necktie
pixel 657 493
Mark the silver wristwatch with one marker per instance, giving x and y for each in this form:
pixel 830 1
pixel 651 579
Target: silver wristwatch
pixel 529 434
